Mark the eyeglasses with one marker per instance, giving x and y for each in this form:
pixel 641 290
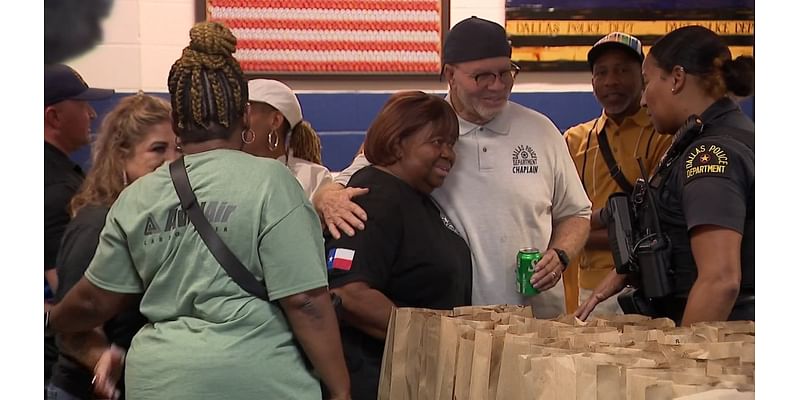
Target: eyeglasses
pixel 485 79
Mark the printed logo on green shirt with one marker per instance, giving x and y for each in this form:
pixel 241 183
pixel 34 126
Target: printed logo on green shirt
pixel 217 212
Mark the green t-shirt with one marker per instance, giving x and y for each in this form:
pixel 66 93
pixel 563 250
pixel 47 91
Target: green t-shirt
pixel 208 337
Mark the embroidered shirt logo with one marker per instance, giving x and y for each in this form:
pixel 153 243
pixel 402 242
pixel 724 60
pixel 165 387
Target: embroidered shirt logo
pixel 524 160
pixel 706 160
pixel 448 224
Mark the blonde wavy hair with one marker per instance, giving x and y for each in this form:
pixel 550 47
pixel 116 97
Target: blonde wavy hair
pixel 122 129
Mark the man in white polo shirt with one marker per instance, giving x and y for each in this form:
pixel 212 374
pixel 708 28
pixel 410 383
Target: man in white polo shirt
pixel 513 185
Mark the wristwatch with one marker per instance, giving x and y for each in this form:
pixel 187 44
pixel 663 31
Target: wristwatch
pixel 563 257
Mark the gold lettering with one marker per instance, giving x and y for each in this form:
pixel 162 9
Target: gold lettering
pixel 721 156
pixel 744 27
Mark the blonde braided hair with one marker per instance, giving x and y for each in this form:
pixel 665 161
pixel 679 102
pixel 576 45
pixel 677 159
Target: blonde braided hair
pixel 305 143
pixel 207 87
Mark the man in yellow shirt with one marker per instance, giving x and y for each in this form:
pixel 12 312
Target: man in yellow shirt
pixel 625 131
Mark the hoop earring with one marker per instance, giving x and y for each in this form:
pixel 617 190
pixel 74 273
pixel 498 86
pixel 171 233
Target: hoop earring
pixel 245 132
pixel 272 140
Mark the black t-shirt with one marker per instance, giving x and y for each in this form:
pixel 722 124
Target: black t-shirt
pixel 408 251
pixel 711 182
pixel 77 250
pixel 62 178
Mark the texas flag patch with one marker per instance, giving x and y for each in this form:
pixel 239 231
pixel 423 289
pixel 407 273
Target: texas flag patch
pixel 341 259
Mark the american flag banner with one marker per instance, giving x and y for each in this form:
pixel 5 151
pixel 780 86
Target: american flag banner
pixel 334 36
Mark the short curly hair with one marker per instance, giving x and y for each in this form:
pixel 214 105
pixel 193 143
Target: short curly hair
pixel 404 114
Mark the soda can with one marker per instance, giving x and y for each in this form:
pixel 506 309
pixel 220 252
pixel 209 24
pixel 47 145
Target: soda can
pixel 526 266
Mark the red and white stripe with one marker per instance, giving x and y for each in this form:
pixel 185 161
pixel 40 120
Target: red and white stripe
pixel 334 36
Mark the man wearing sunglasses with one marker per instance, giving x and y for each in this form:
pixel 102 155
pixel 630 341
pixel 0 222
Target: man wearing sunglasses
pixel 513 186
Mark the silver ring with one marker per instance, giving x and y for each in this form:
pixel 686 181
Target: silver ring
pixel 554 275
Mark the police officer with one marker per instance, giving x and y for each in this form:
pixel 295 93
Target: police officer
pixel 703 191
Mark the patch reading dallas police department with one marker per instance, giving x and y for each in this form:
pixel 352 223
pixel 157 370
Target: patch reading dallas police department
pixel 706 160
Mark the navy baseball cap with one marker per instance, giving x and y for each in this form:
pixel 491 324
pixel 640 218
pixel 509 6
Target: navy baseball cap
pixel 475 39
pixel 64 83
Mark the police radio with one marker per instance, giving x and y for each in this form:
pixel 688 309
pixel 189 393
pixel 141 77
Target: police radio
pixel 643 253
pixel 653 251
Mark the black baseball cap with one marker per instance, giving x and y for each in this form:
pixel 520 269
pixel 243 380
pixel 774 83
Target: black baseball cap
pixel 475 39
pixel 64 83
pixel 616 40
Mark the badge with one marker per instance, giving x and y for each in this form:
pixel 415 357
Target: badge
pixel 706 160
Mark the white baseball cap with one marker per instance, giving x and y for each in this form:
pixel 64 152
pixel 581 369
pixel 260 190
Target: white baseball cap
pixel 278 95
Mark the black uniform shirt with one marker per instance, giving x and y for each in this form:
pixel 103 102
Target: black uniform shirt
pixel 62 178
pixel 77 250
pixel 712 182
pixel 408 251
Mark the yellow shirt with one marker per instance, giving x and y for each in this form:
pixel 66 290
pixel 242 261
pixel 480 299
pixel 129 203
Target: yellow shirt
pixel 634 138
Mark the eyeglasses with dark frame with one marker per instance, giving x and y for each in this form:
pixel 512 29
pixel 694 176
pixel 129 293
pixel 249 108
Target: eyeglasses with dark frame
pixel 507 76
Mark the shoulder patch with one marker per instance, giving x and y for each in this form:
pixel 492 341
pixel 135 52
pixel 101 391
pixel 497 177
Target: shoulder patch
pixel 341 259
pixel 707 159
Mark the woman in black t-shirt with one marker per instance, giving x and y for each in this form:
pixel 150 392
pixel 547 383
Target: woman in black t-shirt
pixel 409 254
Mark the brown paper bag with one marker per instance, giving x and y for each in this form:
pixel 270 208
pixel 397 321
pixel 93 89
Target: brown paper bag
pixel 402 356
pixel 498 341
pixel 545 328
pixel 583 337
pixel 712 351
pixel 513 345
pixel 587 366
pixel 610 382
pixel 512 368
pixel 639 379
pixel 466 347
pixel 717 367
pixel 668 390
pixel 446 358
pixel 642 335
pixel 414 354
pixel 431 338
pixel 384 382
pixel 720 394
pixel 486 364
pixel 731 326
pixel 551 377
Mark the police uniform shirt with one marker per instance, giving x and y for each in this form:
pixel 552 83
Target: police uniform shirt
pixel 62 178
pixel 712 182
pixel 408 251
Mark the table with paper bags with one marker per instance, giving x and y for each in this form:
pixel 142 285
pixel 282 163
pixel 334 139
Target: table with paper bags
pixel 503 353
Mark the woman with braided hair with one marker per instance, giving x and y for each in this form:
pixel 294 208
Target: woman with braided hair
pixel 207 337
pixel 277 130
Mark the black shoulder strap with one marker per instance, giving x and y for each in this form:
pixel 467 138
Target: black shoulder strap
pixel 613 168
pixel 223 255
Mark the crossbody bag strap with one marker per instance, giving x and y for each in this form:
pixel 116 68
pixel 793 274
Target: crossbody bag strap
pixel 613 168
pixel 229 262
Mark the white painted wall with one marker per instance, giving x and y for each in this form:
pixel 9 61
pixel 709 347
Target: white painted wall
pixel 142 38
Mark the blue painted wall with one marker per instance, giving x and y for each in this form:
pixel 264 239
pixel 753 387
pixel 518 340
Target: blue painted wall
pixel 341 119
